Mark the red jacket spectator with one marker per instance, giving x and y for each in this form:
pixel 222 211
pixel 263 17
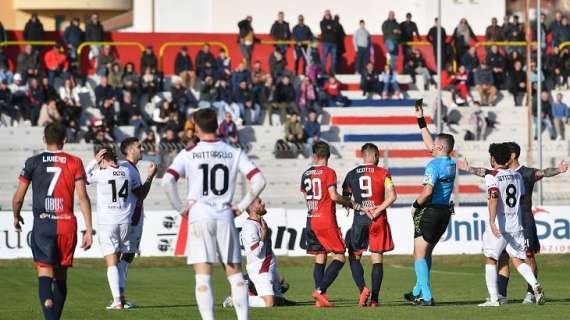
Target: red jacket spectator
pixel 332 87
pixel 55 59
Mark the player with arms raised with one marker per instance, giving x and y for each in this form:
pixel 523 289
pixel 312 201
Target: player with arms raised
pixel 530 177
pixel 318 185
pixel 506 189
pixel 211 169
pixel 55 176
pixel 371 186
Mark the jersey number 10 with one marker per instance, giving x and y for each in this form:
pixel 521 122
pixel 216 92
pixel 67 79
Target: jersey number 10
pixel 209 179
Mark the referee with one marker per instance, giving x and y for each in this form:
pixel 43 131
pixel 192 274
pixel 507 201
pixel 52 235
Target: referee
pixel 432 210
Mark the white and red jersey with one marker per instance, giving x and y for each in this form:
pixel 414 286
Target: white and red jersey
pixel 211 169
pixel 137 212
pixel 510 186
pixel 113 190
pixel 259 252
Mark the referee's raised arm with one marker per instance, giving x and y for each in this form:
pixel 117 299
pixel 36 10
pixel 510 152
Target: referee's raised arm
pixel 426 135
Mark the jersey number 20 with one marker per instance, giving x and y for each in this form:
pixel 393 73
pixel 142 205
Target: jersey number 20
pixel 313 188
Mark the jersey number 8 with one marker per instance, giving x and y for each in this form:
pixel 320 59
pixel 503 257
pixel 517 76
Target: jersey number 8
pixel 511 199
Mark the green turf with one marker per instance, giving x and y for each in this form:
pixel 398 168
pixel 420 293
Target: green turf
pixel 164 289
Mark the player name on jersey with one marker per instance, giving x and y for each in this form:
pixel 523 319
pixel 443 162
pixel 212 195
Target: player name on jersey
pixel 212 154
pixel 53 158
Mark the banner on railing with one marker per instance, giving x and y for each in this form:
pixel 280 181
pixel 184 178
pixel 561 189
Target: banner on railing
pixel 162 230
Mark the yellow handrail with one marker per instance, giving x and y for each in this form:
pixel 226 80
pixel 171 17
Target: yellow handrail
pixel 109 43
pixel 23 42
pixel 502 43
pixel 564 45
pixel 164 46
pixel 278 42
pixel 417 43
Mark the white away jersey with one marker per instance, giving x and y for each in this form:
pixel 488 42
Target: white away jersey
pixel 137 213
pixel 259 253
pixel 510 186
pixel 113 191
pixel 211 169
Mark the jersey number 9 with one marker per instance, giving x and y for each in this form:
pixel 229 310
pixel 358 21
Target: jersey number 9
pixel 365 183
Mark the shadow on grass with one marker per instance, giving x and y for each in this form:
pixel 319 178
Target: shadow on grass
pixel 167 306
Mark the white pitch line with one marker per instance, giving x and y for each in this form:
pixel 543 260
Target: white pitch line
pixel 439 271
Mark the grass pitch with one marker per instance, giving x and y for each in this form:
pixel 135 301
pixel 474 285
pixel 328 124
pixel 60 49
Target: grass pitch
pixel 164 289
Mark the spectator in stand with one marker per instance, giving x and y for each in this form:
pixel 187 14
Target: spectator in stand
pixel 545 116
pixel 104 93
pixel 149 144
pixel 148 86
pixel 94 31
pixel 48 114
pixel 478 121
pixel 224 100
pixel 56 63
pixel 19 102
pixel 285 99
pixel 34 29
pixel 246 39
pixel 294 131
pixel 329 37
pixel 409 29
pixel 132 113
pixel 362 42
pixel 543 31
pixel 188 136
pixel 302 35
pixel 496 61
pixel 560 116
pixel 463 35
pixel 278 66
pixel 257 74
pixel 36 99
pixel 264 96
pixel 554 28
pixel 250 111
pixel 534 77
pixel 8 112
pixel 4 66
pixel 69 97
pixel 416 65
pixel 49 90
pixel 340 45
pixel 494 32
pixel 169 147
pixel 369 83
pixel 432 38
pixel 461 91
pixel 28 63
pixel 517 83
pixel 130 74
pixel 73 37
pixel 240 74
pixel 392 32
pixel 333 94
pixel 280 31
pixel 228 131
pixel 514 32
pixel 160 115
pixel 561 33
pixel 105 60
pixel 115 76
pixel 485 85
pixel 312 128
pixel 470 61
pixel 223 65
pixel 389 79
pixel 512 58
pixel 148 59
pixel 183 63
pixel 308 98
pixel 203 58
pixel 208 93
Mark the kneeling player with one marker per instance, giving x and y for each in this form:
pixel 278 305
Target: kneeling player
pixel 371 186
pixel 506 189
pixel 261 262
pixel 318 185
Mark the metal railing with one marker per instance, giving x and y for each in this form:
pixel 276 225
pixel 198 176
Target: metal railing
pixel 109 43
pixel 23 42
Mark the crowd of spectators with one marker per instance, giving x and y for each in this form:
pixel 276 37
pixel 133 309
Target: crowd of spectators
pixel 46 87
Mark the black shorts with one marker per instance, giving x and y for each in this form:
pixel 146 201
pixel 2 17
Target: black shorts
pixel 431 222
pixel 375 237
pixel 530 233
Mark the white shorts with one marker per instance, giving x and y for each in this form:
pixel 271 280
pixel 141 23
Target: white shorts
pixel 210 241
pixel 135 236
pixel 513 242
pixel 266 283
pixel 113 238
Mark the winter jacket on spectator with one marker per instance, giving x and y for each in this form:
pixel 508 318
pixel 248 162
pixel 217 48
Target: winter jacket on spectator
pixel 208 92
pixel 280 30
pixel 495 60
pixel 34 30
pixel 294 128
pixel 202 58
pixel 494 33
pixel 483 76
pixel 103 93
pixel 277 64
pixel 54 60
pixel 73 36
pixel 408 28
pixel 329 31
pixel 546 108
pixel 284 93
pixel 243 95
pixel 224 93
pixel 48 114
pixel 49 91
pixel 228 130
pixel 26 61
pixel 388 30
pixel 94 32
pixel 307 94
pixel 470 61
pixel 561 33
pixel 238 76
pixel 312 129
pixel 148 60
pixel 246 33
pixel 183 63
pixel 302 33
pixel 369 81
pixel 516 77
pixel 332 89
